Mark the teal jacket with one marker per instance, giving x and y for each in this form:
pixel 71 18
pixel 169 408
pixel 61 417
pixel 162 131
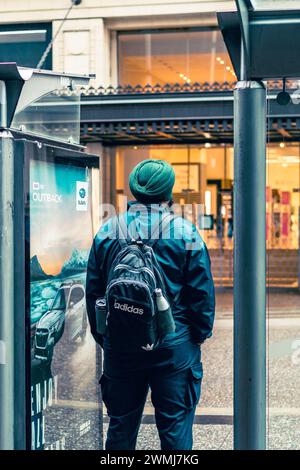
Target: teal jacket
pixel 184 260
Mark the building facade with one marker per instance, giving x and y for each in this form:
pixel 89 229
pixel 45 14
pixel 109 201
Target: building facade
pixel 163 89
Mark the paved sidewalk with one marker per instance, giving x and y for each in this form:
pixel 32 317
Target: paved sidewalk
pixel 279 303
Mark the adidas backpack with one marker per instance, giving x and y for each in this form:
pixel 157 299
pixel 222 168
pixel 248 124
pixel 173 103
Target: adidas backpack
pixel 134 279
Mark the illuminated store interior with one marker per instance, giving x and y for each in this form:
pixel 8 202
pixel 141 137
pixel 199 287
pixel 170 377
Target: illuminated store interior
pixel 205 176
pixel 184 56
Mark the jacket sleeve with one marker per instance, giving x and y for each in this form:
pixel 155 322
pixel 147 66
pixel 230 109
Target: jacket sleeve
pixel 95 287
pixel 200 292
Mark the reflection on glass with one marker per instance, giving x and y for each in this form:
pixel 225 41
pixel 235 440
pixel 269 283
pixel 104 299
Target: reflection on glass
pixel 203 176
pixel 55 115
pixel 182 57
pixel 282 195
pixel 275 4
pixel 25 43
pixel 283 315
pixel 208 174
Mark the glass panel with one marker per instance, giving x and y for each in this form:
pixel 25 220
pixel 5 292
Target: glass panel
pixel 64 394
pixel 181 57
pixel 283 315
pixel 55 115
pixel 283 197
pixel 275 4
pixel 25 44
pixel 16 37
pixel 204 175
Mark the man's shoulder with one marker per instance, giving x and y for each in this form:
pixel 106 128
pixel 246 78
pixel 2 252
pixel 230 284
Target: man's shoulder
pixel 187 229
pixel 183 235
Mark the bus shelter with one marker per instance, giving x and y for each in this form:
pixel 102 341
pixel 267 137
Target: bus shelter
pixel 49 191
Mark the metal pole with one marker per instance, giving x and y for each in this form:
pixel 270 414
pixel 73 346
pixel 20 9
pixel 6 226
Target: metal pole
pixel 6 282
pixel 12 289
pixel 249 265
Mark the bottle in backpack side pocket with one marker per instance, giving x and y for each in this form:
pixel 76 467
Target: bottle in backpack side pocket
pixel 165 320
pixel 101 315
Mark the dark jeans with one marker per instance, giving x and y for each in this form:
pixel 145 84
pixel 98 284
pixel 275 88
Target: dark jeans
pixel 174 376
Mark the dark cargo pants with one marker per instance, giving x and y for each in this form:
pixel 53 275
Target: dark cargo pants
pixel 174 376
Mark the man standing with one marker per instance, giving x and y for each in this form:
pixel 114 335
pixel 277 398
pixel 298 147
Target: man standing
pixel 173 371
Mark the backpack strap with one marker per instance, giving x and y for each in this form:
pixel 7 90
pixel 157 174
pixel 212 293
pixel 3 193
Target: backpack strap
pixel 121 231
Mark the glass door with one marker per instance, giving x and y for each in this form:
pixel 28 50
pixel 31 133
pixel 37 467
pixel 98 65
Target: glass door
pixel 283 296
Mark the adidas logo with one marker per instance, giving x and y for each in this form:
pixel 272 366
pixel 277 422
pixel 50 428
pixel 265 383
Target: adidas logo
pixel 149 347
pixel 128 308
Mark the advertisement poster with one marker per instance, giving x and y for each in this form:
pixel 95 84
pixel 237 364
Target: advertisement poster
pixel 64 376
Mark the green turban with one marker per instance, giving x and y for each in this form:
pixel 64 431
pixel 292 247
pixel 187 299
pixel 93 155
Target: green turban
pixel 152 181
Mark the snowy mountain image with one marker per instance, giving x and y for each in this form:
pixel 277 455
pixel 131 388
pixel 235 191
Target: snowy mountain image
pixel 76 264
pixel 36 270
pixel 44 287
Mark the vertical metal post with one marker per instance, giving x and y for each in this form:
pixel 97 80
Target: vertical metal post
pixel 249 265
pixel 12 289
pixel 6 281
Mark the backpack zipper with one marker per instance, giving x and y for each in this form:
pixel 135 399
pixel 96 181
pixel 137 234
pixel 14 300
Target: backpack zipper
pixel 135 270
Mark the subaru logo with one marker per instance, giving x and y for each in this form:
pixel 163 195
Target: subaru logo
pixel 82 193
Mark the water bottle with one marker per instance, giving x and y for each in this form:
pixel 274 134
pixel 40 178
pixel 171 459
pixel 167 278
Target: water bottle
pixel 101 314
pixel 165 320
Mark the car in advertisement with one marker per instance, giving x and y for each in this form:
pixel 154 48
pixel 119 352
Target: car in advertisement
pixel 65 318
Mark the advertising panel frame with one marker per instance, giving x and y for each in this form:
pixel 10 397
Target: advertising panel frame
pixel 22 149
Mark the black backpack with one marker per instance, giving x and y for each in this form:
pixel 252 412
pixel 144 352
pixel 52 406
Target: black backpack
pixel 130 297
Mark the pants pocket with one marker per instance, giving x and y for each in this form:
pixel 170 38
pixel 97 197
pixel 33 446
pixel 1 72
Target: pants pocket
pixel 194 384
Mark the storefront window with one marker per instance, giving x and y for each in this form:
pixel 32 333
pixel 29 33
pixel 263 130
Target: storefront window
pixel 204 176
pixel 25 44
pixel 203 187
pixel 182 57
pixel 283 196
